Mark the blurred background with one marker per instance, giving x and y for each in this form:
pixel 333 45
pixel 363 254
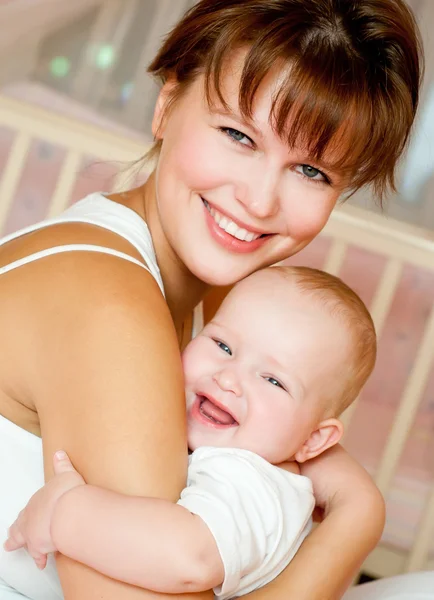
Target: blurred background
pixel 75 111
pixel 87 59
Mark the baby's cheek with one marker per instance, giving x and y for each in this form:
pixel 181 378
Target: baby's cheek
pixel 191 359
pixel 265 428
pixel 283 427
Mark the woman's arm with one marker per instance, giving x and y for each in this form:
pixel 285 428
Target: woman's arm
pixel 107 383
pixel 331 556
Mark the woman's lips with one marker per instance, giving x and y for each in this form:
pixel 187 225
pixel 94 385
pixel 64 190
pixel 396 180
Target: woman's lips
pixel 228 241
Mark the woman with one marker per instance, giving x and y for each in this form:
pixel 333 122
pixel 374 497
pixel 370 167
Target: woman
pixel 269 111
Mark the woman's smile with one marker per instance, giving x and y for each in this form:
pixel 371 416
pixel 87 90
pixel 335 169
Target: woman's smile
pixel 230 234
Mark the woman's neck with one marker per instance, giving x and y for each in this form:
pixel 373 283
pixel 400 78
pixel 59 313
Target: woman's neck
pixel 183 290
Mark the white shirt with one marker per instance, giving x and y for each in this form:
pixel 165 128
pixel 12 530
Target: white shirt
pixel 258 514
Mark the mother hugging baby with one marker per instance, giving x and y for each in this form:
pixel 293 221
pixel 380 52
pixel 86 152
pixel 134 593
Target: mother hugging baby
pixel 269 112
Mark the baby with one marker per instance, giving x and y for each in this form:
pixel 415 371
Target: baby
pixel 288 350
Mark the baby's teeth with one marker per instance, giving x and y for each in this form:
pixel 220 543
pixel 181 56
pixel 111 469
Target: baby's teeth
pixel 250 237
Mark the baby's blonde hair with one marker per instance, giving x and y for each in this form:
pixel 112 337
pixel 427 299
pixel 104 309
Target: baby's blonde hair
pixel 344 304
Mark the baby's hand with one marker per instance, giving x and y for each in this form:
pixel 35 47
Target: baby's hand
pixel 32 529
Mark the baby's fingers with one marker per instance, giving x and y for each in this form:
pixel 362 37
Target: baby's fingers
pixel 62 464
pixel 15 539
pixel 39 558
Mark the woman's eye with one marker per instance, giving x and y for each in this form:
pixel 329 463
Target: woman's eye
pixel 237 136
pixel 223 347
pixel 312 173
pixel 274 382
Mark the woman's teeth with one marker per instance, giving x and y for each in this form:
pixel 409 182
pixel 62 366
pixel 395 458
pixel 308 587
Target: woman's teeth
pixel 230 227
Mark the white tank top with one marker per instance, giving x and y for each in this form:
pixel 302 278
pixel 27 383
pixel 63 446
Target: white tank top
pixel 21 463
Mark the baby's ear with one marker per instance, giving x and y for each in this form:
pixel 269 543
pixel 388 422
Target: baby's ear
pixel 327 434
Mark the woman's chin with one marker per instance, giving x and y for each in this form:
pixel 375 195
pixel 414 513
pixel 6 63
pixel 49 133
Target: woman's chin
pixel 219 267
pixel 223 273
pixel 221 280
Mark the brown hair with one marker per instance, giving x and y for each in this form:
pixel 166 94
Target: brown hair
pixel 343 303
pixel 355 72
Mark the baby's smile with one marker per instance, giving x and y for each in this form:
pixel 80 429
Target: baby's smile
pixel 209 412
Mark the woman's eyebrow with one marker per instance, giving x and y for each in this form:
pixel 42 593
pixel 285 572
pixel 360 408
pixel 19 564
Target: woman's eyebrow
pixel 308 158
pixel 238 118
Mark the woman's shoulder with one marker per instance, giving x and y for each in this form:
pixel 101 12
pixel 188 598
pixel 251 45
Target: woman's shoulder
pixel 94 291
pixel 96 225
pixel 86 270
pixel 94 313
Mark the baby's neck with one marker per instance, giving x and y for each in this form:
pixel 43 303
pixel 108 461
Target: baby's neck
pixel 291 466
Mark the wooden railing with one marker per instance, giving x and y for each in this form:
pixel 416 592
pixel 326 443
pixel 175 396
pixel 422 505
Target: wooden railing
pixel 79 140
pixel 398 244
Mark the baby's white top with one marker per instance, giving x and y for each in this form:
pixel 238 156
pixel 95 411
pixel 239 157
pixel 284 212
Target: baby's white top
pixel 258 514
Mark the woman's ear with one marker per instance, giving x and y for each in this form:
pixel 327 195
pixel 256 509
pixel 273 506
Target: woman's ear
pixel 327 434
pixel 161 106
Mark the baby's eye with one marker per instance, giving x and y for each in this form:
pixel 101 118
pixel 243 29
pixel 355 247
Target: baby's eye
pixel 274 382
pixel 237 136
pixel 224 347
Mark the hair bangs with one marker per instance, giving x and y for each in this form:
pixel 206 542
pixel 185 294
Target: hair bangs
pixel 320 105
pixel 348 74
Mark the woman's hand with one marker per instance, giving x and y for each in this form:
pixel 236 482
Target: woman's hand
pixel 352 511
pixel 32 528
pixel 340 481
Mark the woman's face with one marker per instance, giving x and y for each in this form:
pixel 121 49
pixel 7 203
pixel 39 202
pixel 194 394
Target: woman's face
pixel 232 196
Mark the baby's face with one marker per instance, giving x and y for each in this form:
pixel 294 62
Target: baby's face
pixel 257 375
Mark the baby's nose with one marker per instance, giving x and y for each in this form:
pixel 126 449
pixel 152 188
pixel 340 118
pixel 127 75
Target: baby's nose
pixel 228 381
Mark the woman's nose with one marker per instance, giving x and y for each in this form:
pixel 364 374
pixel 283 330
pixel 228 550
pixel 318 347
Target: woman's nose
pixel 259 195
pixel 228 381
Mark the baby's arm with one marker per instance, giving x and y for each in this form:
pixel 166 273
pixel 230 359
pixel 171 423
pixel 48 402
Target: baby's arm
pixel 236 526
pixel 147 542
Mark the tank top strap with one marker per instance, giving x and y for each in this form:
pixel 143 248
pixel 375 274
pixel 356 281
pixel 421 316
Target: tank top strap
pixel 72 248
pixel 21 232
pixel 98 210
